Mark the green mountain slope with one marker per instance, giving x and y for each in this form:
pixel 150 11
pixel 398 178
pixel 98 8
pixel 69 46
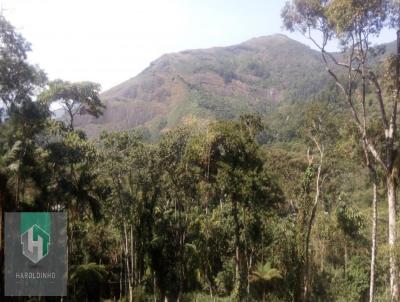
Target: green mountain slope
pixel 219 82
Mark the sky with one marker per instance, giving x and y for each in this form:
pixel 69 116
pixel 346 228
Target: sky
pixel 110 41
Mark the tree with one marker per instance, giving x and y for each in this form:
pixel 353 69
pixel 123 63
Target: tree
pixel 353 23
pixel 75 98
pixel 241 180
pixel 19 79
pixel 319 128
pixel 131 173
pixel 88 280
pixel 179 193
pixel 263 274
pixel 19 82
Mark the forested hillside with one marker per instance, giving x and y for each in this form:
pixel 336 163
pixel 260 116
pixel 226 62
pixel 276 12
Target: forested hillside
pixel 261 76
pixel 216 83
pixel 265 171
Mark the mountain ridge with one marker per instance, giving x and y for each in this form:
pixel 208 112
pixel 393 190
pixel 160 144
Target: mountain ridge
pixel 212 83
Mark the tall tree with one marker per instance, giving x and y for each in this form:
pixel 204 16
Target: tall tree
pixel 75 98
pixel 19 83
pixel 242 181
pixel 353 23
pixel 320 130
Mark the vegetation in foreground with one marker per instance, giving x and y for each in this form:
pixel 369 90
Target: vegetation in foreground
pixel 250 209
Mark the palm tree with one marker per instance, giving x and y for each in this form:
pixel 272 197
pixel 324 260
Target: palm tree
pixel 263 275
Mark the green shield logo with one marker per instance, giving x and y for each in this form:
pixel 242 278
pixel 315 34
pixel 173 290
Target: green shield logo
pixel 35 235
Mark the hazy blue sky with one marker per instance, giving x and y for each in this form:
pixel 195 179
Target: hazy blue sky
pixel 109 41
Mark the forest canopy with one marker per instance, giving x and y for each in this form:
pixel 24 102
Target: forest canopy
pixel 295 204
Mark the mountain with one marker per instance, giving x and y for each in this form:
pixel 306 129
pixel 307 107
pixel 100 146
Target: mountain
pixel 215 83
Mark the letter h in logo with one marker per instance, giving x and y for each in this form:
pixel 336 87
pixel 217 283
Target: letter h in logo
pixel 35 243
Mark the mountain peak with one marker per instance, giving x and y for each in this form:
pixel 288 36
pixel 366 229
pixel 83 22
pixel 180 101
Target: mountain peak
pixel 263 41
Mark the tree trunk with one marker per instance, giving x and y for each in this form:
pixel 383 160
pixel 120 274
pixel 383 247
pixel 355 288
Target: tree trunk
pixel 17 189
pixel 345 259
pixel 128 268
pixel 2 203
pixel 249 265
pixel 373 242
pixel 133 270
pixel 308 236
pixel 238 254
pixel 154 287
pixel 3 198
pixel 121 280
pixel 391 192
pixel 318 184
pixel 71 119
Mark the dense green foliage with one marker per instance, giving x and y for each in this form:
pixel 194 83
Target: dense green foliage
pixel 243 207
